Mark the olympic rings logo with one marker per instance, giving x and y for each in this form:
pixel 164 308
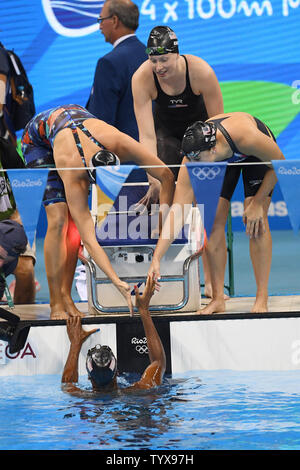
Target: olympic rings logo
pixel 206 173
pixel 142 349
pixel 141 345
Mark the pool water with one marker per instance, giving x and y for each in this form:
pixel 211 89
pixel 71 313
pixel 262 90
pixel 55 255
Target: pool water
pixel 202 410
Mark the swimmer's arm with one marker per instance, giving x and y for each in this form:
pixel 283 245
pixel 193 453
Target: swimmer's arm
pixel 140 154
pixel 70 372
pixel 154 373
pixel 207 85
pixel 75 391
pixel 251 141
pixel 142 101
pixel 77 336
pixel 77 198
pixel 183 198
pixel 212 95
pixel 129 149
pixel 152 377
pixel 254 142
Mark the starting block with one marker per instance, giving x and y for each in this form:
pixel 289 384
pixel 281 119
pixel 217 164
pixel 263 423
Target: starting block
pixel 131 258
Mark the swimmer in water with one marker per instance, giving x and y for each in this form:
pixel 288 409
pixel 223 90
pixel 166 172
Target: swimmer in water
pixel 101 363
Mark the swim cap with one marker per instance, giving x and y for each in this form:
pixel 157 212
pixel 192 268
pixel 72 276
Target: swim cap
pixel 198 137
pixel 162 40
pixel 102 158
pixel 101 365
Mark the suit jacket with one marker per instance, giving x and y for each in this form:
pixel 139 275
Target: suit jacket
pixel 111 96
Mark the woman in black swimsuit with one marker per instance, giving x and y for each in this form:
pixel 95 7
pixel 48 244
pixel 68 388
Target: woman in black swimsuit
pixel 233 137
pixel 184 88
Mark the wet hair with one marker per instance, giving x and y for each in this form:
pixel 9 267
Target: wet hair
pixel 197 138
pixel 101 365
pixel 126 11
pixel 162 40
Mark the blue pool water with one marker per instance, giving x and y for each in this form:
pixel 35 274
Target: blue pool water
pixel 204 410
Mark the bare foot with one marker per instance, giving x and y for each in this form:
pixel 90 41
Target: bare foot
pixel 72 310
pixel 58 315
pixel 215 306
pixel 260 306
pixel 208 292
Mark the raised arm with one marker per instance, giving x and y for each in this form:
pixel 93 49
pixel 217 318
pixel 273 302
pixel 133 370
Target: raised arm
pixel 154 373
pixel 77 336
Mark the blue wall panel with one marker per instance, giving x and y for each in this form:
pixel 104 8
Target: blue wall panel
pixel 246 41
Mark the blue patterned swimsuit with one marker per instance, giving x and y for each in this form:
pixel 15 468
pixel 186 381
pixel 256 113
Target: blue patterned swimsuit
pixel 38 139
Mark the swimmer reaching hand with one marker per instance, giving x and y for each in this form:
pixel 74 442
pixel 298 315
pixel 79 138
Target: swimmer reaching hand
pixel 101 362
pixel 69 137
pixel 239 137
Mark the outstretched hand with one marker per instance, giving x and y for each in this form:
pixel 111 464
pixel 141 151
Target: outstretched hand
pixel 75 331
pixel 125 290
pixel 142 300
pixel 154 270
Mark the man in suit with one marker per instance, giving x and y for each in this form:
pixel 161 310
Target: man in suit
pixel 111 95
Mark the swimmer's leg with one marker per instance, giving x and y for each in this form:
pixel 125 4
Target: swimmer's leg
pixel 216 252
pixel 72 246
pixel 261 257
pixel 55 254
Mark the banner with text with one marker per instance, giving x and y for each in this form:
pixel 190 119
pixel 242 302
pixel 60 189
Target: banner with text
pixel 28 188
pixel 288 174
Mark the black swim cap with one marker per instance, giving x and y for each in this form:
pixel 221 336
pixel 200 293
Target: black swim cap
pixel 102 158
pixel 101 365
pixel 197 138
pixel 162 40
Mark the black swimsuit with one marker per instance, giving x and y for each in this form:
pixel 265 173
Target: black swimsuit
pixel 172 115
pixel 253 175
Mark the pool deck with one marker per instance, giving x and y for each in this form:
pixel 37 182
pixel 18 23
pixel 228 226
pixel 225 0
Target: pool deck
pixel 237 306
pixel 236 339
